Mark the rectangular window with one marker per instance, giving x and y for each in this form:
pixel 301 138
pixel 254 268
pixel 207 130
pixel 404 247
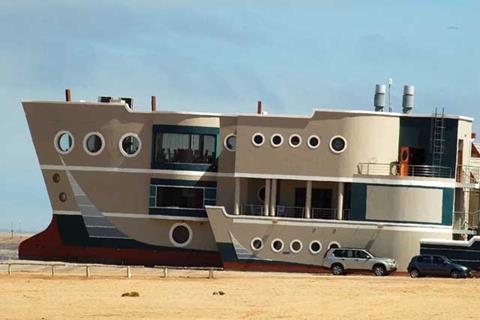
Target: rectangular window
pixel 184 148
pixel 179 197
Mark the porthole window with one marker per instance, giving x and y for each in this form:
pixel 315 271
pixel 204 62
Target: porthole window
pixel 93 143
pixel 313 142
pixel 296 246
pixel 261 194
pixel 277 245
pixel 276 140
pixel 333 245
pixel 62 196
pixel 258 139
pixel 130 145
pixel 338 144
pixel 64 142
pixel 315 247
pixel 180 234
pixel 295 141
pixel 230 142
pixel 256 244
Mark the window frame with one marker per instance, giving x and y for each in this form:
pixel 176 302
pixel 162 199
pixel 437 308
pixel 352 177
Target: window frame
pixel 295 135
pixel 176 207
pixel 85 140
pixel 338 137
pixel 313 251
pixel 225 145
pixel 310 145
pixel 281 140
pixel 253 139
pixel 56 140
pixel 120 145
pixel 190 234
pixel 174 129
pixel 273 248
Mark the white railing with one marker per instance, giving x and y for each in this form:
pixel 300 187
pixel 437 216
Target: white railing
pixel 468 174
pixel 293 212
pixel 393 169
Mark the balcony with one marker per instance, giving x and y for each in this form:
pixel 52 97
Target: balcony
pixel 393 169
pixel 293 212
pixel 468 174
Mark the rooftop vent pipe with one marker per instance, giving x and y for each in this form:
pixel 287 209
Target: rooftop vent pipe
pixel 259 107
pixel 379 99
pixel 408 98
pixel 154 103
pixel 68 95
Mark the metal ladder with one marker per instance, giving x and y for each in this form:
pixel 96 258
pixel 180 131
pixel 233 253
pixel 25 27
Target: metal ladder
pixel 438 138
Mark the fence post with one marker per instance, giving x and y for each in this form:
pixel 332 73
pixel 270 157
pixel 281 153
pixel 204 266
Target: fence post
pixel 129 272
pixel 87 271
pixel 53 270
pixel 9 269
pixel 165 272
pixel 210 274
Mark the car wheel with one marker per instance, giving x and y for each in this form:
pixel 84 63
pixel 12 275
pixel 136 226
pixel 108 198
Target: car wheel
pixel 455 274
pixel 414 273
pixel 337 269
pixel 379 270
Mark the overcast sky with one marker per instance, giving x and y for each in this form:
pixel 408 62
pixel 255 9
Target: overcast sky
pixel 222 56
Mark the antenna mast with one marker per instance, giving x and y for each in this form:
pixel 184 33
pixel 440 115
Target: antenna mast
pixel 390 83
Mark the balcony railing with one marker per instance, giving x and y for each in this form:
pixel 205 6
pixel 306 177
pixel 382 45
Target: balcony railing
pixel 293 212
pixel 460 223
pixel 468 174
pixel 393 169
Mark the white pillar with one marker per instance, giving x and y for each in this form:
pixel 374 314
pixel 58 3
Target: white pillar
pixel 273 198
pixel 237 196
pixel 340 201
pixel 267 197
pixel 308 200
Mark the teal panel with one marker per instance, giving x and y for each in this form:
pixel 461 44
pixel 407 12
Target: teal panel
pixel 447 206
pixel 210 202
pixel 211 193
pixel 358 200
pixel 153 191
pixel 151 202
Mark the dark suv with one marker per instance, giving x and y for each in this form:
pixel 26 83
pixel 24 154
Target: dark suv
pixel 428 265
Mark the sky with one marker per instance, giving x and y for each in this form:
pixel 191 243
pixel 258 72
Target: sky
pixel 223 56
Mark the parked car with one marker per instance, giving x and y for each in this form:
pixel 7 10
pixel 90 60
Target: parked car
pixel 430 265
pixel 341 260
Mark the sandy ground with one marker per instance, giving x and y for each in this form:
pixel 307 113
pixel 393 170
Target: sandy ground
pixel 9 245
pixel 31 293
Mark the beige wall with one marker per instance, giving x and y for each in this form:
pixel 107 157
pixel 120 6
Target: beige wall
pixel 404 204
pixel 370 138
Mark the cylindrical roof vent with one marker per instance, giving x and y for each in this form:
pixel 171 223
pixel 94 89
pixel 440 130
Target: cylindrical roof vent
pixel 408 98
pixel 379 99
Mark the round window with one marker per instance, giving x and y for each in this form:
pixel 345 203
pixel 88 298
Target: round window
pixel 261 194
pixel 313 142
pixel 130 145
pixel 62 196
pixel 296 246
pixel 258 139
pixel 64 142
pixel 180 234
pixel 93 143
pixel 276 140
pixel 295 141
pixel 256 244
pixel 277 245
pixel 338 144
pixel 315 247
pixel 230 142
pixel 333 245
pixel 56 178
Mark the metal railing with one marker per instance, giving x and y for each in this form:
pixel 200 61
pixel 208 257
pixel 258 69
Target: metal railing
pixel 468 174
pixel 460 222
pixel 393 169
pixel 293 212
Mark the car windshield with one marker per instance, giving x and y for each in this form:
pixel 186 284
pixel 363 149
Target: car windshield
pixel 445 259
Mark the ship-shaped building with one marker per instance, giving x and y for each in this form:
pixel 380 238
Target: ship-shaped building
pixel 250 191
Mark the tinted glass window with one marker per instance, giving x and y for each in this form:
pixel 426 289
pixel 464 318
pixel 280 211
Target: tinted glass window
pixel 258 139
pixel 179 197
pixel 295 140
pixel 361 254
pixel 350 254
pixel 338 144
pixel 94 143
pixel 65 142
pixel 437 260
pixel 424 259
pixel 313 141
pixel 277 245
pixel 130 145
pixel 339 253
pixel 185 148
pixel 277 140
pixel 180 234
